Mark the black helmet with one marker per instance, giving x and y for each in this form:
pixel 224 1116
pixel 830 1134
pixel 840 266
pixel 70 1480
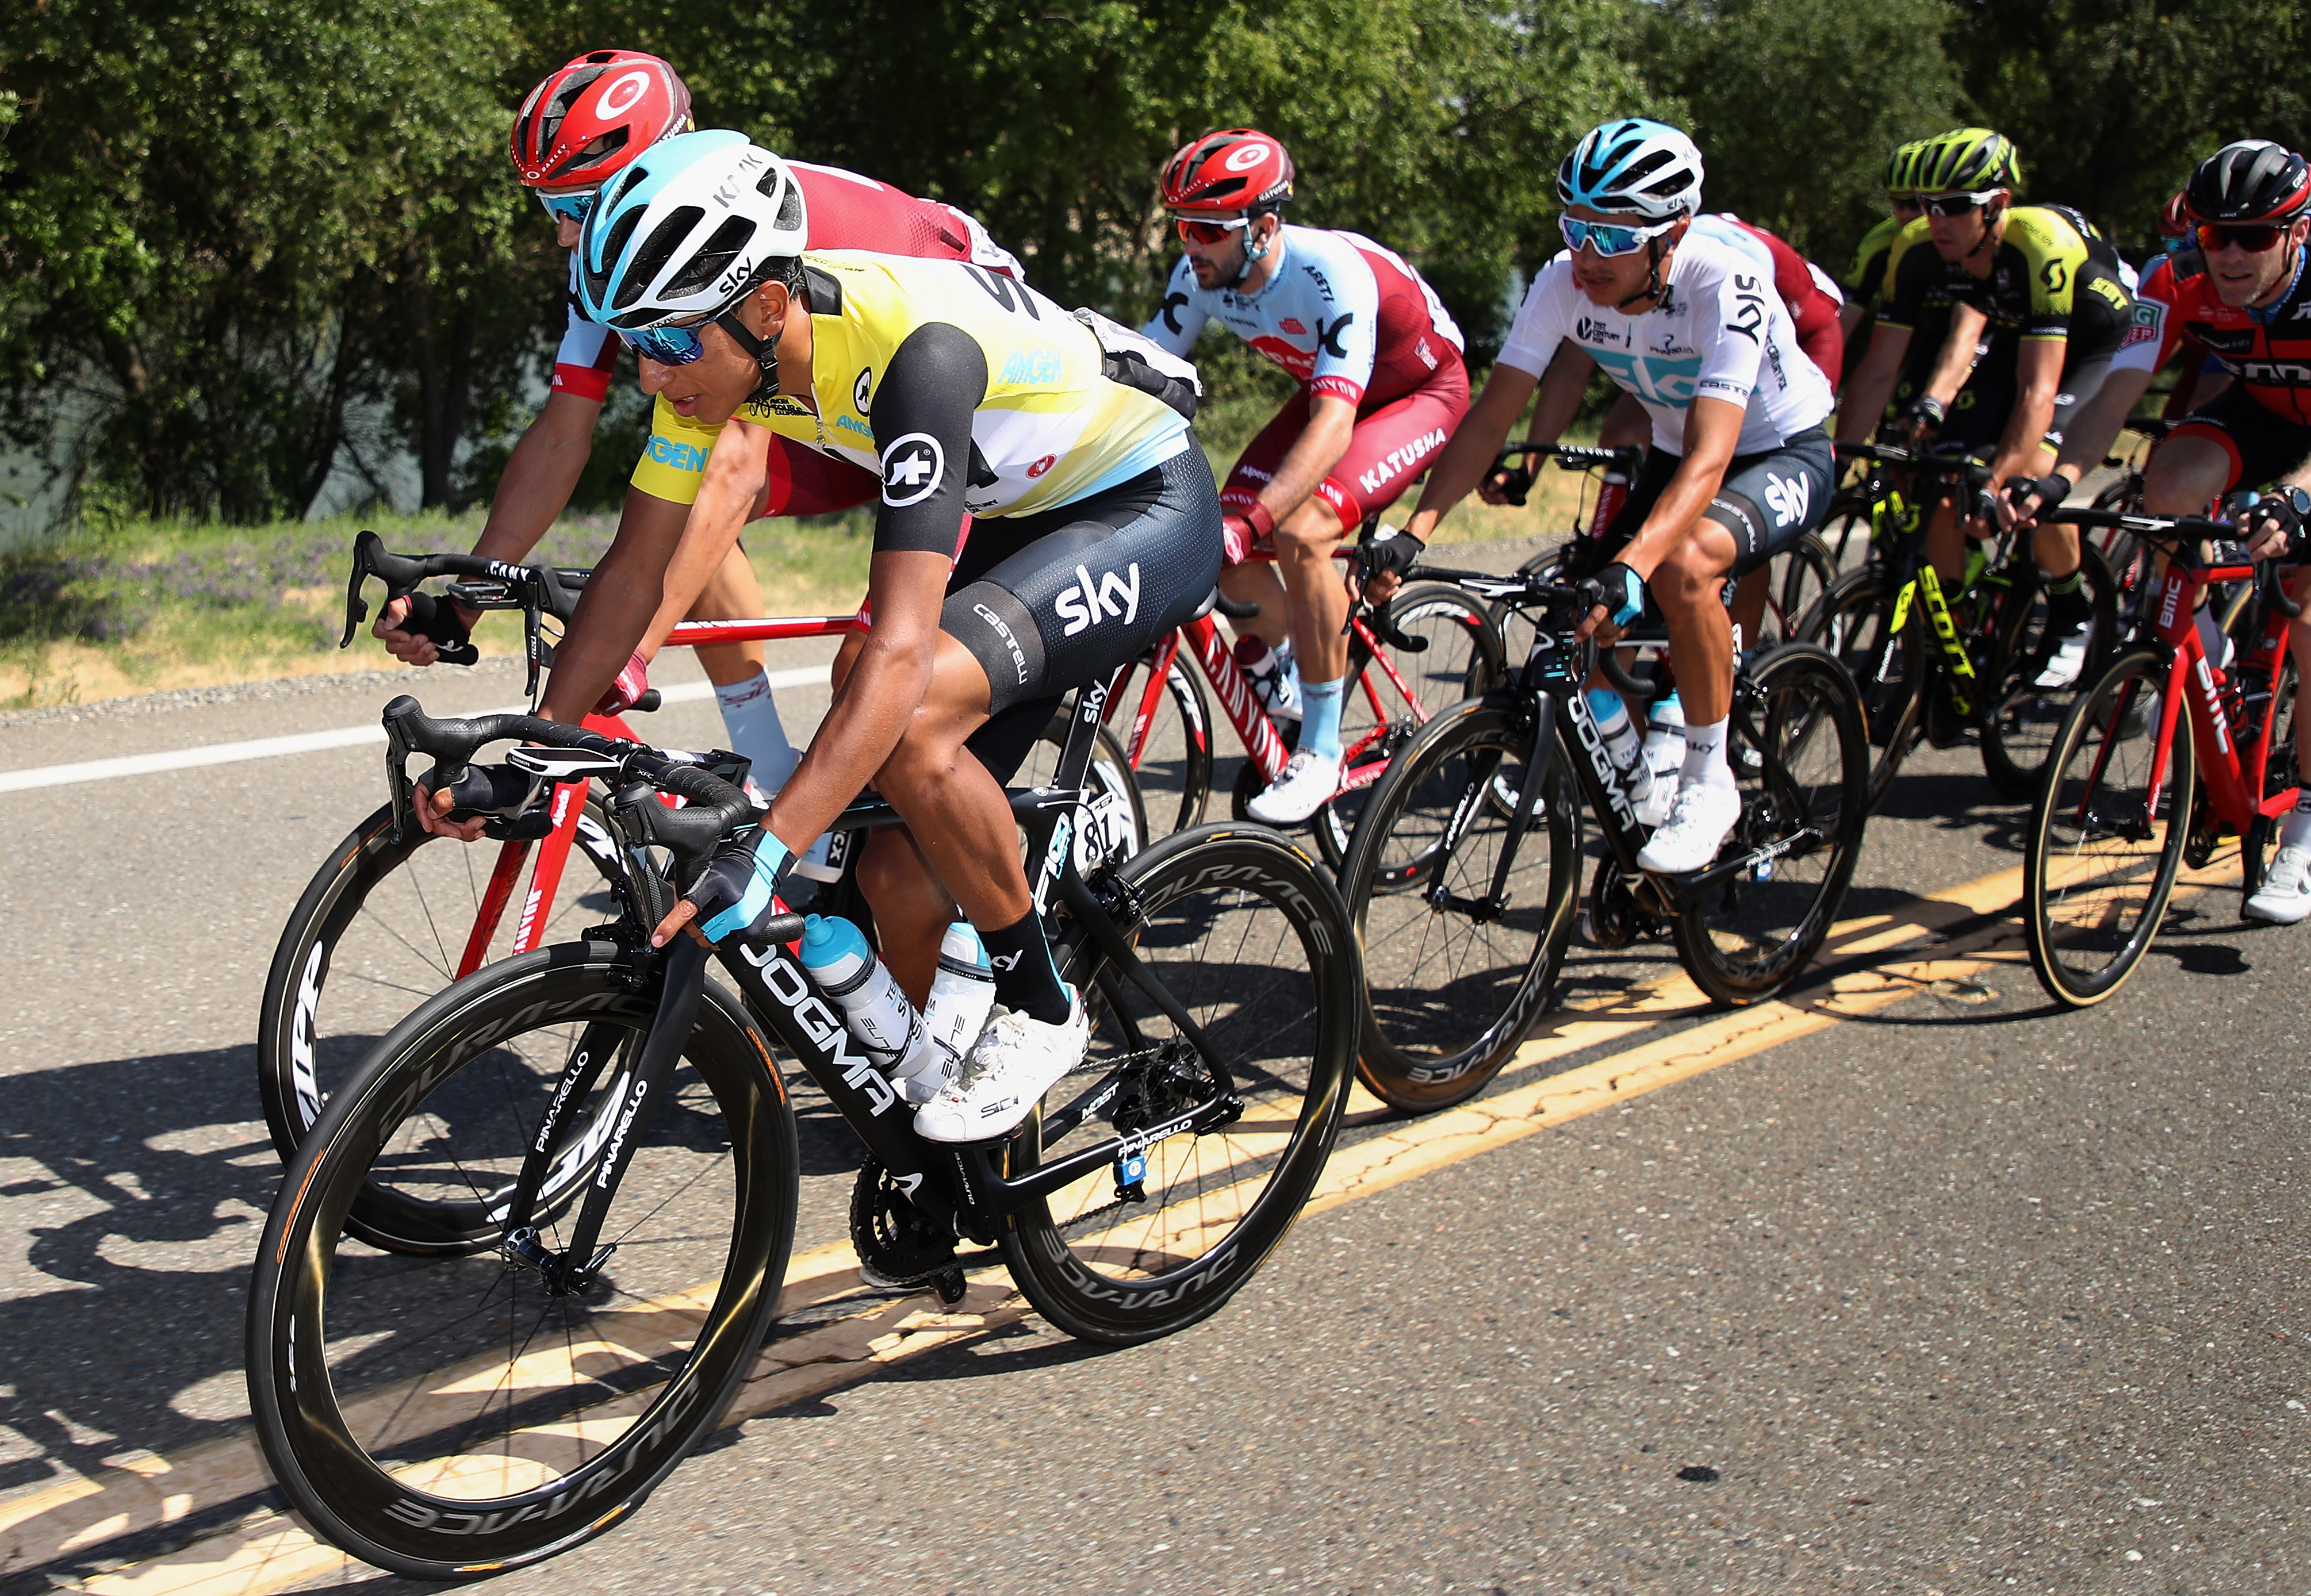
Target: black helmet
pixel 2252 180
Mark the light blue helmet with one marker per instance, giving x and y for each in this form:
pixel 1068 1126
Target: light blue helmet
pixel 681 233
pixel 1633 167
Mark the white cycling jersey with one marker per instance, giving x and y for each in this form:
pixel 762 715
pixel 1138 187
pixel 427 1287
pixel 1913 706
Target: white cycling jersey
pixel 1721 332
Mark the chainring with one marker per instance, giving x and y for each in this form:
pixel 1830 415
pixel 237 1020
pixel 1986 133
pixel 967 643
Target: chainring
pixel 891 1234
pixel 1615 919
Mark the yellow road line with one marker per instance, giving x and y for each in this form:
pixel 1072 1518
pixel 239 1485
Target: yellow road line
pixel 272 1553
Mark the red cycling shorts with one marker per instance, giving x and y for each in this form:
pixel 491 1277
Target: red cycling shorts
pixel 1392 445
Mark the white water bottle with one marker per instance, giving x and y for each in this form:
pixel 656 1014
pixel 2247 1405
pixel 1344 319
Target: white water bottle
pixel 875 1011
pixel 1665 737
pixel 1622 742
pixel 961 993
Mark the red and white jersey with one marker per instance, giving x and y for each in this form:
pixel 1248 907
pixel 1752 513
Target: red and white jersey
pixel 2269 351
pixel 846 211
pixel 1344 315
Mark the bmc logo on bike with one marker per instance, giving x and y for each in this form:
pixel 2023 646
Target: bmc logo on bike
pixel 1086 605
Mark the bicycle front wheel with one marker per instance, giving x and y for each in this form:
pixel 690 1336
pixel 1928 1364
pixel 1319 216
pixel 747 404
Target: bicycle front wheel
pixel 1802 761
pixel 1390 696
pixel 450 1416
pixel 385 924
pixel 1246 934
pixel 1459 963
pixel 2103 850
pixel 2027 706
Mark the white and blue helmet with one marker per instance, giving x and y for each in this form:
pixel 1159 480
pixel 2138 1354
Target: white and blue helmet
pixel 1636 167
pixel 682 232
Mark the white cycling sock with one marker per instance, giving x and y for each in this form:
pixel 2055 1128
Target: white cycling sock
pixel 750 716
pixel 1704 754
pixel 2295 831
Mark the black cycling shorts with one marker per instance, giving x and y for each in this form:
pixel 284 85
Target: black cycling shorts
pixel 1049 602
pixel 2262 444
pixel 1767 502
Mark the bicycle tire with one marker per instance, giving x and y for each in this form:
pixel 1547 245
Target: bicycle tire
pixel 385 1397
pixel 1888 668
pixel 1222 909
pixel 408 949
pixel 1174 772
pixel 2018 732
pixel 2069 926
pixel 1750 939
pixel 1449 993
pixel 1462 661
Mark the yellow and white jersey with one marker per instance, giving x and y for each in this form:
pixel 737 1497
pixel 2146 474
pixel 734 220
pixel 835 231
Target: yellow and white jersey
pixel 1046 426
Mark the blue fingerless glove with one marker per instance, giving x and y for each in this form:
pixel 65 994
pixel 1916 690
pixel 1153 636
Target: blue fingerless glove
pixel 1622 592
pixel 733 892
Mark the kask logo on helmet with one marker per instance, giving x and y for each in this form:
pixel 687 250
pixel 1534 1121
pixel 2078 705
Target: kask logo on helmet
pixel 624 92
pixel 1244 157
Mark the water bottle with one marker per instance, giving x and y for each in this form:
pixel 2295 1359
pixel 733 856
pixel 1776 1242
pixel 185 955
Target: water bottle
pixel 1622 742
pixel 1665 737
pixel 961 993
pixel 875 1011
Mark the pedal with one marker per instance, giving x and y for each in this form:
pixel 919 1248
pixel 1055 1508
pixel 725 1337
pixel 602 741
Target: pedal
pixel 950 1285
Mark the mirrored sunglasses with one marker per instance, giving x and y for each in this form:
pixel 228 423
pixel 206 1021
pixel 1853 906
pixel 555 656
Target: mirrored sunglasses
pixel 1195 230
pixel 2254 238
pixel 668 345
pixel 568 204
pixel 1607 239
pixel 1958 204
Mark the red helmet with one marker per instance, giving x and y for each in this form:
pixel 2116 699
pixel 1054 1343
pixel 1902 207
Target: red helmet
pixel 1236 168
pixel 2175 217
pixel 595 114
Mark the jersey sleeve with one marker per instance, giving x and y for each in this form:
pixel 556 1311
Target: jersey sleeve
pixel 2155 328
pixel 1347 329
pixel 932 386
pixel 2055 254
pixel 1731 341
pixel 1539 325
pixel 673 460
pixel 588 353
pixel 1180 318
pixel 1910 276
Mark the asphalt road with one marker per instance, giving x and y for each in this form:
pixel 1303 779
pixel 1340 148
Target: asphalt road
pixel 1957 1294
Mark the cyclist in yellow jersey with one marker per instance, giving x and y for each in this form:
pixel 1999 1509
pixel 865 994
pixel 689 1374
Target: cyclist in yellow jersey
pixel 1864 280
pixel 1096 530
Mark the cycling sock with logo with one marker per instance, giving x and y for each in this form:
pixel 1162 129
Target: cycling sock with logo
pixel 1319 724
pixel 2295 831
pixel 1025 979
pixel 1704 754
pixel 750 716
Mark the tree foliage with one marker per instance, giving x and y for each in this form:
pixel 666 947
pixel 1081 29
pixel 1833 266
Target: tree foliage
pixel 246 244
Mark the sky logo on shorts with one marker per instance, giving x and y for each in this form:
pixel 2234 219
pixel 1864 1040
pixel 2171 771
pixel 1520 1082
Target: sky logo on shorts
pixel 1086 605
pixel 1789 498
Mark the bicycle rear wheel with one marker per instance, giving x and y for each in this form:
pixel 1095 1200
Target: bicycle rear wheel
pixel 1247 934
pixel 2024 716
pixel 445 1416
pixel 1803 808
pixel 1888 668
pixel 2102 852
pixel 1456 973
pixel 381 927
pixel 1800 574
pixel 1384 704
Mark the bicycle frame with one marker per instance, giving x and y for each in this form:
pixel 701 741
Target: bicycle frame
pixel 2233 784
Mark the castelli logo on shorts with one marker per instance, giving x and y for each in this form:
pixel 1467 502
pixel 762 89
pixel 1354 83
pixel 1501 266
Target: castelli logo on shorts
pixel 1244 157
pixel 1042 465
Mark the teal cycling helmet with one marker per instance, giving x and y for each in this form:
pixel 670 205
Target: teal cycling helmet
pixel 1633 167
pixel 685 231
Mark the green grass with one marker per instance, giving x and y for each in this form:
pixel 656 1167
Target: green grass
pixel 138 606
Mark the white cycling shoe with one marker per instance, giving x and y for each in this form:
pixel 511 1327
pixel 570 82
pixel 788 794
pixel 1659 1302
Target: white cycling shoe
pixel 1309 782
pixel 2285 896
pixel 1699 821
pixel 2068 661
pixel 1015 1062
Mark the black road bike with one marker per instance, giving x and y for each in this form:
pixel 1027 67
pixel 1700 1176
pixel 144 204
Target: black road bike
pixel 1462 875
pixel 393 915
pixel 604 1156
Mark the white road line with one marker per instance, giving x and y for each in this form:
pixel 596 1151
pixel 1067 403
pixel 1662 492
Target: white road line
pixel 312 742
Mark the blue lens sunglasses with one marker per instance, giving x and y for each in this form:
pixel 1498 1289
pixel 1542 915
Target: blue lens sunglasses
pixel 1607 239
pixel 570 205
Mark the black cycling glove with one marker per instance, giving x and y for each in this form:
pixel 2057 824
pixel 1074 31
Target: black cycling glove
pixel 734 890
pixel 2289 508
pixel 1927 414
pixel 1395 553
pixel 1621 590
pixel 2049 490
pixel 438 619
pixel 491 791
pixel 1513 483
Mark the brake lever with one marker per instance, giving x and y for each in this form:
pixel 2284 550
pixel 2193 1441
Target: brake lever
pixel 356 606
